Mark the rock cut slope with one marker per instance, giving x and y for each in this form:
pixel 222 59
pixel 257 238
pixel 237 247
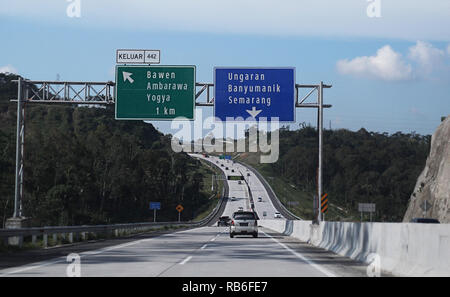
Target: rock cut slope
pixel 433 184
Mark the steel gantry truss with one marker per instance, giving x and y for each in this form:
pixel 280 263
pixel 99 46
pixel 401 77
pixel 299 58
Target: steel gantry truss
pixel 101 93
pixel 68 92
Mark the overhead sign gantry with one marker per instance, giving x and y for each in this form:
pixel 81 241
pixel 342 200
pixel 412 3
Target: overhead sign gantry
pixel 145 92
pixel 242 93
pixel 155 92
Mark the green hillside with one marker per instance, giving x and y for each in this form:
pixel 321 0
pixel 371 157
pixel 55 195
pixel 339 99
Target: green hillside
pixel 359 167
pixel 84 167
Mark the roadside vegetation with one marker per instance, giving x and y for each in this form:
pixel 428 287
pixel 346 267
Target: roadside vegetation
pixel 359 167
pixel 214 192
pixel 84 167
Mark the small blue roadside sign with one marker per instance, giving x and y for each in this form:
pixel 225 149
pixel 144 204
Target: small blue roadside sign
pixel 254 93
pixel 155 205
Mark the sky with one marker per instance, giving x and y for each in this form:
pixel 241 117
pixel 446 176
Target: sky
pixel 388 61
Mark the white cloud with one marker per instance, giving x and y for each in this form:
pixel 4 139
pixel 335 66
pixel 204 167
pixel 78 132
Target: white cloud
pixel 385 65
pixel 8 69
pixel 427 56
pixel 425 62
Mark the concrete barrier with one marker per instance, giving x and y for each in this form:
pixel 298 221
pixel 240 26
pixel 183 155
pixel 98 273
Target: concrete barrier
pixel 404 249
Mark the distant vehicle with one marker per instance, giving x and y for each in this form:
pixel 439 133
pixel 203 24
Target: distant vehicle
pixel 264 213
pixel 205 155
pixel 240 182
pixel 245 222
pixel 425 221
pixel 226 168
pixel 248 174
pixel 233 198
pixel 277 215
pixel 259 199
pixel 224 221
pixel 232 170
pixel 240 208
pixel 221 165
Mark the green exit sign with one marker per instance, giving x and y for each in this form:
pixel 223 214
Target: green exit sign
pixel 155 92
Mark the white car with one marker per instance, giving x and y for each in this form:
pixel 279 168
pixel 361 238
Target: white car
pixel 240 208
pixel 244 222
pixel 277 215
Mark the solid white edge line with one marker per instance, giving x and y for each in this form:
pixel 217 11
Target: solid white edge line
pixel 62 259
pixel 321 269
pixel 185 260
pixel 32 266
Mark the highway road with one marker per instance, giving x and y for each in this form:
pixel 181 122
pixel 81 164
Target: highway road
pixel 206 251
pixel 240 190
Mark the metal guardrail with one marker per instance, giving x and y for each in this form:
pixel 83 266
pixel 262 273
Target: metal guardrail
pixel 118 229
pixel 220 205
pixel 108 229
pixel 103 229
pixel 84 228
pixel 15 237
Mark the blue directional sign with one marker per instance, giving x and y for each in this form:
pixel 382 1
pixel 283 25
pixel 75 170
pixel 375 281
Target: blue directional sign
pixel 155 205
pixel 254 93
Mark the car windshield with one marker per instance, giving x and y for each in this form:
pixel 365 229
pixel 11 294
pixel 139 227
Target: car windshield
pixel 244 216
pixel 224 218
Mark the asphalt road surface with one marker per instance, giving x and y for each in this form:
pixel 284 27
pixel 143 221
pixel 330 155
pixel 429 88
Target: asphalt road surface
pixel 240 191
pixel 206 251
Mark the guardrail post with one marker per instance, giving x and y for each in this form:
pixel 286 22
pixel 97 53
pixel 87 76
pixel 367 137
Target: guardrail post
pixel 33 239
pixel 55 238
pixel 16 223
pixel 71 237
pixel 45 240
pixel 83 235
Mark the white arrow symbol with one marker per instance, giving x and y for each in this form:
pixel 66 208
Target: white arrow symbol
pixel 127 75
pixel 253 112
